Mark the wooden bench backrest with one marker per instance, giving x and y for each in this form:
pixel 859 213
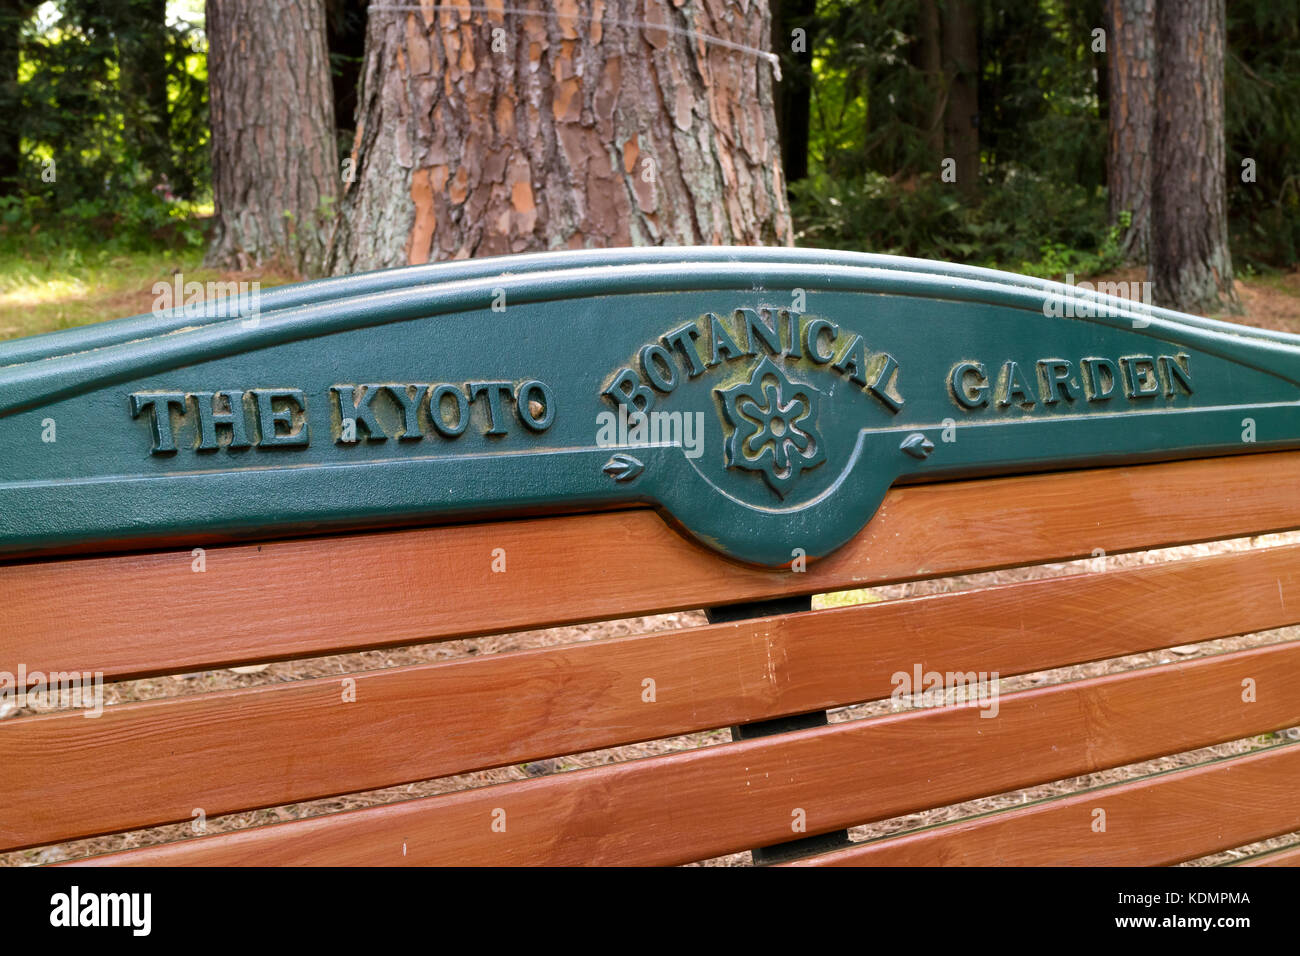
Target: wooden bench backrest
pixel 148 613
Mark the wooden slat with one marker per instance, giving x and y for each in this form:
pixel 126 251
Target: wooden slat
pixel 1153 821
pixel 716 800
pixel 1287 856
pixel 242 749
pixel 148 614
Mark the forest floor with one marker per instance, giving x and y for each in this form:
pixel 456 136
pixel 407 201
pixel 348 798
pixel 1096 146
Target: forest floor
pixel 1267 301
pixel 114 289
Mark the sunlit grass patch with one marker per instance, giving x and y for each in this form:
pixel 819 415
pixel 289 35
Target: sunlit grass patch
pixel 76 287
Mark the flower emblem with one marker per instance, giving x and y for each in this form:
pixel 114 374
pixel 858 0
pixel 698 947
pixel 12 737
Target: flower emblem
pixel 774 429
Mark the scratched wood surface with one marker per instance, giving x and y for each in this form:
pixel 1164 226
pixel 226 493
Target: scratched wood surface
pixel 278 744
pixel 150 613
pixel 716 800
pixel 1152 821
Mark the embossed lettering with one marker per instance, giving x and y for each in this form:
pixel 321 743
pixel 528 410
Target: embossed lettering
pixel 1054 379
pixel 854 357
pixel 291 413
pixel 1099 390
pixel 494 391
pixel 812 332
pixel 1013 388
pixel 683 339
pixel 358 409
pixel 159 405
pixel 781 334
pixel 210 418
pixel 626 389
pixel 883 384
pixel 410 403
pixel 657 366
pixel 723 342
pixel 1176 367
pixel 965 392
pixel 1136 377
pixel 437 417
pixel 1140 375
pixel 794 342
pixel 226 418
pixel 538 392
pixel 758 329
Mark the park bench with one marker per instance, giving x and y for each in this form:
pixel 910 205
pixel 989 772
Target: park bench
pixel 443 452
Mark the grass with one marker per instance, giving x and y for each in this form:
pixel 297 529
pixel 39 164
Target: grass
pixel 75 286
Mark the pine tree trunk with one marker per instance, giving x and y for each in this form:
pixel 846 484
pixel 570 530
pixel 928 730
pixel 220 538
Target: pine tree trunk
pixel 1191 268
pixel 484 134
pixel 275 174
pixel 961 112
pixel 927 57
pixel 1132 76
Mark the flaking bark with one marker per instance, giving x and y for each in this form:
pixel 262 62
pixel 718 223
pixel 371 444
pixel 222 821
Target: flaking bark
pixel 486 133
pixel 275 175
pixel 1132 76
pixel 1191 268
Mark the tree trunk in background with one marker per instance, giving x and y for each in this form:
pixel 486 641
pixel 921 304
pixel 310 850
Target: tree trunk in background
pixel 961 72
pixel 275 173
pixel 575 131
pixel 13 14
pixel 141 28
pixel 1132 74
pixel 928 58
pixel 794 93
pixel 1191 268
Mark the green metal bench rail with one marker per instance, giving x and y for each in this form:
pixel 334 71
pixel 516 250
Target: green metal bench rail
pixel 763 399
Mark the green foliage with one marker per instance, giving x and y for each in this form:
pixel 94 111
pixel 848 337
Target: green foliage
pixel 187 95
pixel 874 183
pixel 1039 103
pixel 867 94
pixel 1021 221
pixel 93 153
pixel 134 221
pixel 1039 107
pixel 1040 204
pixel 1262 79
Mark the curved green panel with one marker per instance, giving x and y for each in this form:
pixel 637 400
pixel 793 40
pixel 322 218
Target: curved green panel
pixel 764 399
